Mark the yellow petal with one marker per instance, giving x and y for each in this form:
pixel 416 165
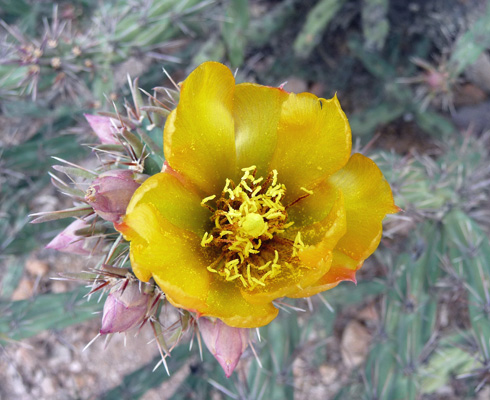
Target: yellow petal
pixel 177 202
pixel 199 138
pixel 256 111
pixel 226 302
pixel 342 269
pixel 313 141
pixel 314 207
pixel 368 199
pixel 171 255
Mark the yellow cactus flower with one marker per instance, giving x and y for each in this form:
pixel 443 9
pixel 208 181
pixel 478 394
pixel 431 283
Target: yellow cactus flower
pixel 259 199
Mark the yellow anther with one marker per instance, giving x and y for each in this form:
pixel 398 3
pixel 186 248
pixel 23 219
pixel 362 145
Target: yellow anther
pixel 249 169
pixel 227 185
pixel 306 190
pixel 231 263
pixel 206 199
pixel 244 184
pixel 244 282
pixel 265 266
pixel 206 239
pixel 273 215
pixel 257 190
pixel 298 244
pixel 265 276
pixel 274 177
pixel 257 281
pixel 229 217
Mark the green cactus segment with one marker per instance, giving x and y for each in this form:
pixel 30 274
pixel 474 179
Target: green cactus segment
pixel 447 362
pixel 376 65
pixel 448 254
pixel 470 45
pixel 26 318
pixel 316 23
pixel 154 25
pixel 434 124
pixel 469 252
pixel 408 323
pixel 375 25
pixel 261 30
pixel 91 58
pixel 234 29
pixel 137 383
pixel 366 122
pixel 11 276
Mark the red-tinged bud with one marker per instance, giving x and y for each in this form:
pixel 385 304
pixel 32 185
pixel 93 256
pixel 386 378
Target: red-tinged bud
pixel 68 242
pixel 124 309
pixel 103 128
pixel 224 342
pixel 111 191
pixel 437 80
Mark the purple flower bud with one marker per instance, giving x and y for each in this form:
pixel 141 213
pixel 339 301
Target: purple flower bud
pixel 103 128
pixel 110 193
pixel 224 342
pixel 68 242
pixel 124 310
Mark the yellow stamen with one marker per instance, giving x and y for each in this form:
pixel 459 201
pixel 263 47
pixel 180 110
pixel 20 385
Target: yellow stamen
pixel 247 218
pixel 306 190
pixel 206 199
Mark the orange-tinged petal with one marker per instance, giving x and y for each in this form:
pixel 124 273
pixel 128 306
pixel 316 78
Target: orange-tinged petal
pixel 177 202
pixel 199 137
pixel 173 256
pixel 368 199
pixel 226 303
pixel 342 269
pixel 257 110
pixel 313 141
pixel 315 260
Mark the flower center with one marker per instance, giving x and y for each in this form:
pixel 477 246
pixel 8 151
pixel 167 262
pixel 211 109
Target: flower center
pixel 247 220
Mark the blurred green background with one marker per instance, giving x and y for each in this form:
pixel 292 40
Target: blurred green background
pixel 414 79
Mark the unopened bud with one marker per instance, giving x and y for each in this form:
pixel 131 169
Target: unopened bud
pixel 103 128
pixel 110 193
pixel 68 242
pixel 437 81
pixel 224 342
pixel 124 309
